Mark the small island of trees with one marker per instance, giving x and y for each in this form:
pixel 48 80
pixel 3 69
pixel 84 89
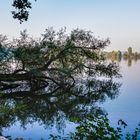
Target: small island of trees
pixel 128 55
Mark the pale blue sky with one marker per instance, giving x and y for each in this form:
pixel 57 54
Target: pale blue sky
pixel 117 19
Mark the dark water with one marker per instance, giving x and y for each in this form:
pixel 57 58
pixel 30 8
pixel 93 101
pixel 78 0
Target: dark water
pixel 36 118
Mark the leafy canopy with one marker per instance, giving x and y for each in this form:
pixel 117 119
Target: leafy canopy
pixel 53 61
pixel 21 9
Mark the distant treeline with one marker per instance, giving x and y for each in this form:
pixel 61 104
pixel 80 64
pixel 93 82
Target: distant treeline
pixel 118 55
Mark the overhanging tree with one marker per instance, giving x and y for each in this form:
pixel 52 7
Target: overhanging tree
pixel 56 60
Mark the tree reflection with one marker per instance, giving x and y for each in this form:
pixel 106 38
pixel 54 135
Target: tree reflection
pixel 50 110
pixel 54 79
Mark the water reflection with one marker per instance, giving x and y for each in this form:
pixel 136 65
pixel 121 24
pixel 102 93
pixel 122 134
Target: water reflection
pixel 118 56
pixel 76 102
pixel 52 80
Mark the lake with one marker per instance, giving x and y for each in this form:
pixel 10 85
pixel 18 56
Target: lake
pixel 127 105
pixel 36 118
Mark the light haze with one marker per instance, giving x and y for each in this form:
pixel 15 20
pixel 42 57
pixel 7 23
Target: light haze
pixel 118 20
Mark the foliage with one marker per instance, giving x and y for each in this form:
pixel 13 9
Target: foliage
pixel 127 56
pixel 96 127
pixel 129 51
pixel 56 60
pixel 21 7
pixel 55 78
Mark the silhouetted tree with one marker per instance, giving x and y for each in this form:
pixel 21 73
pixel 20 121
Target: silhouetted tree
pixel 125 55
pixel 130 52
pixel 119 56
pixel 113 55
pixel 136 56
pixel 21 9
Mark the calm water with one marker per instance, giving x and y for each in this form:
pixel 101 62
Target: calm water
pixel 125 106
